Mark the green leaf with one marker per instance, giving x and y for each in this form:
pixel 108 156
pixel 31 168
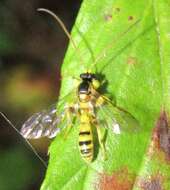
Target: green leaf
pixel 135 37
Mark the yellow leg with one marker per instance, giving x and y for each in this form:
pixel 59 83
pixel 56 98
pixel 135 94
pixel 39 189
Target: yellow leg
pixel 69 119
pixel 106 98
pixel 102 99
pixel 69 127
pixel 101 141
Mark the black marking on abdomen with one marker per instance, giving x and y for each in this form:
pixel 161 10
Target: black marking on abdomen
pixel 86 151
pixel 81 143
pixel 84 133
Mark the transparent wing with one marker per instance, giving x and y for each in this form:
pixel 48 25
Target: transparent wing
pixel 69 99
pixel 116 119
pixel 50 122
pixel 42 124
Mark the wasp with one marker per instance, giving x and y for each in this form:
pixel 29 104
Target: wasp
pixel 92 108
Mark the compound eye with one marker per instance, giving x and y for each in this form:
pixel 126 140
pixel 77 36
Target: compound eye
pixel 95 83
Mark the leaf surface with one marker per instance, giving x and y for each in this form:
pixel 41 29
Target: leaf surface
pixel 134 38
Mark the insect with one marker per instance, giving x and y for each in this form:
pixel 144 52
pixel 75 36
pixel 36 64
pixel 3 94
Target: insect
pixel 92 108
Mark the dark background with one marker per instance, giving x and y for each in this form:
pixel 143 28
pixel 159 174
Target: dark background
pixel 32 47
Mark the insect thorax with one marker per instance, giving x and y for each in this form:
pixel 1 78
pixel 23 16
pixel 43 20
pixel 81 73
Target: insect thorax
pixel 85 87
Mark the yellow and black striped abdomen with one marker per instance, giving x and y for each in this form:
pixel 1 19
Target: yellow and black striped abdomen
pixel 86 140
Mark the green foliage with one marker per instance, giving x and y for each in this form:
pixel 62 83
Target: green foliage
pixel 135 66
pixel 16 169
pixel 6 45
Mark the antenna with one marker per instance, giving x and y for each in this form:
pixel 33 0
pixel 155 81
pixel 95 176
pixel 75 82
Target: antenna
pixel 103 53
pixel 61 23
pixel 30 145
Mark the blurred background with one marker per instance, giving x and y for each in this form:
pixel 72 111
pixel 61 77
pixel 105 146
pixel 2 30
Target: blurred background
pixel 32 48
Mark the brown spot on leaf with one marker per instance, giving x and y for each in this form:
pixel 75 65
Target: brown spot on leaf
pixel 161 136
pixel 152 183
pixel 118 9
pixel 120 180
pixel 108 17
pixel 130 18
pixel 132 60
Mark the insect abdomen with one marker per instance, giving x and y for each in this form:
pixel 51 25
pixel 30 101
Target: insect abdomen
pixel 86 142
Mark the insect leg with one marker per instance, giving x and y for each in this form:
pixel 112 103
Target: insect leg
pixel 102 100
pixel 101 136
pixel 69 117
